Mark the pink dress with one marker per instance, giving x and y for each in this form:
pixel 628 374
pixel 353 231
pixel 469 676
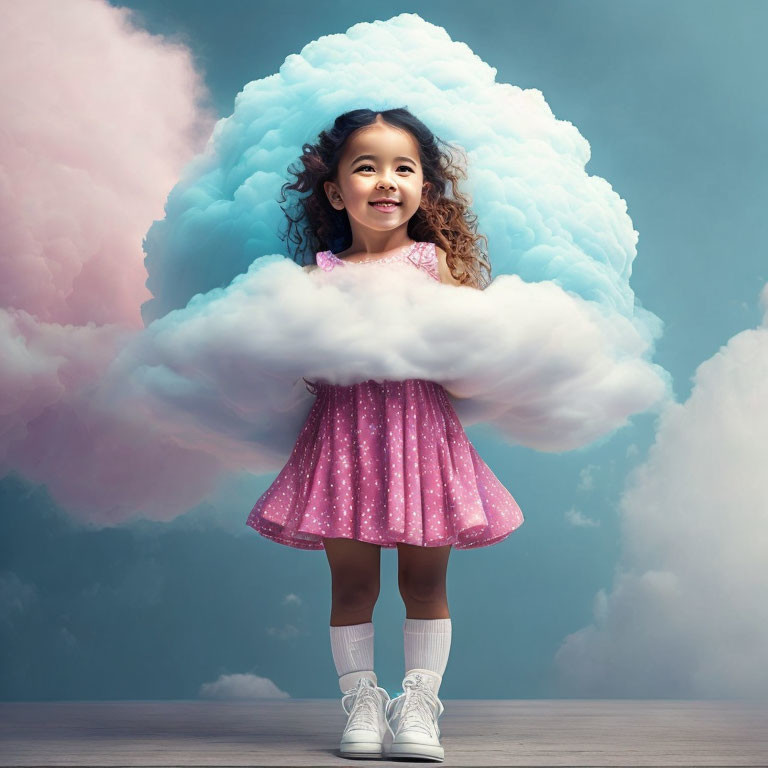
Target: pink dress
pixel 385 463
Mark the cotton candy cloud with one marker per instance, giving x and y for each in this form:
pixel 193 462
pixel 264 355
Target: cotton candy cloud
pixel 545 217
pixel 92 140
pixel 543 366
pixel 120 420
pixel 687 615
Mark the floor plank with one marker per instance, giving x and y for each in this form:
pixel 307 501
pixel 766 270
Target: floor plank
pixel 301 732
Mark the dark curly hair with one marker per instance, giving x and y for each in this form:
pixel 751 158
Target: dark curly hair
pixel 444 220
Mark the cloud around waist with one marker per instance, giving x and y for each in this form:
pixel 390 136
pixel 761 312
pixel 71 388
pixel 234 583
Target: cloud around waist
pixel 543 366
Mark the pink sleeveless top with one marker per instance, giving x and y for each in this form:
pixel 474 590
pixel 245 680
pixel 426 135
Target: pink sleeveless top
pixel 421 254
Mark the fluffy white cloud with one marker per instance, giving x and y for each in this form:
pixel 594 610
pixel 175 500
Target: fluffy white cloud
pixel 688 615
pixel 541 365
pixel 241 686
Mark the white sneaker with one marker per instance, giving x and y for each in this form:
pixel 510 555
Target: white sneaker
pixel 413 717
pixel 366 733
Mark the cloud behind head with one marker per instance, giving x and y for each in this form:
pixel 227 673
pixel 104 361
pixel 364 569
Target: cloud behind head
pixel 545 217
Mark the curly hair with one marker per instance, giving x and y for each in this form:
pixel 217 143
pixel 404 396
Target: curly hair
pixel 444 220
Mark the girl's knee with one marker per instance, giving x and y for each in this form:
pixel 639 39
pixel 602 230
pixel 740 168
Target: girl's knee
pixel 428 591
pixel 354 596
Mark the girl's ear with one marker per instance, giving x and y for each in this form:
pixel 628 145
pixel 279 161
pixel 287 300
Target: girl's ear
pixel 334 196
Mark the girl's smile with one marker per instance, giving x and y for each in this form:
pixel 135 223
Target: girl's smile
pixel 385 207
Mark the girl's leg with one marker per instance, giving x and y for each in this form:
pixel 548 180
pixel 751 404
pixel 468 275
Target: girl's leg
pixel 355 579
pixel 355 576
pixel 421 573
pixel 427 627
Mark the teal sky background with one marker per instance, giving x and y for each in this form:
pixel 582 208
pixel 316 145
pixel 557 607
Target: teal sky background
pixel 670 97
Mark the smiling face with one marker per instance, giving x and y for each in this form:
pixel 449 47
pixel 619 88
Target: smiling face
pixel 378 161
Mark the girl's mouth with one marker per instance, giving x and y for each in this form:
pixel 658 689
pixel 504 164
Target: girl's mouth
pixel 384 207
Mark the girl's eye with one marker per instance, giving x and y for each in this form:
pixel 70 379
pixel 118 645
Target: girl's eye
pixel 363 167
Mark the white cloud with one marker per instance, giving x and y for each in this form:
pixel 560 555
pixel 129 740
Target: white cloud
pixel 587 477
pixel 241 686
pixel 285 632
pixel 688 615
pixel 292 599
pixel 16 596
pixel 579 520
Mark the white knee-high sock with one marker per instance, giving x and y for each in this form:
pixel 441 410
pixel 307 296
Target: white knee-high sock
pixel 427 644
pixel 352 648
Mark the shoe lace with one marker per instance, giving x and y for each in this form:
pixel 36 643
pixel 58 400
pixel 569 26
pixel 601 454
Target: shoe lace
pixel 362 705
pixel 417 706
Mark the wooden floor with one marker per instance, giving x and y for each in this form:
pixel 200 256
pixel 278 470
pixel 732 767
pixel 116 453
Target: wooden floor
pixel 559 732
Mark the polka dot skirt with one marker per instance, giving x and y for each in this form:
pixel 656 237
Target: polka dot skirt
pixel 385 462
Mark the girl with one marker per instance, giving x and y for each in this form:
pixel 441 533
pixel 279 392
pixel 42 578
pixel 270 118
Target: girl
pixel 386 464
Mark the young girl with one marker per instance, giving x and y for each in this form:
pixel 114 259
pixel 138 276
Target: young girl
pixel 386 464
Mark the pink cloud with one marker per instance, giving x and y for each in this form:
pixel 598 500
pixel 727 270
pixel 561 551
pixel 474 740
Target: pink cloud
pixel 99 118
